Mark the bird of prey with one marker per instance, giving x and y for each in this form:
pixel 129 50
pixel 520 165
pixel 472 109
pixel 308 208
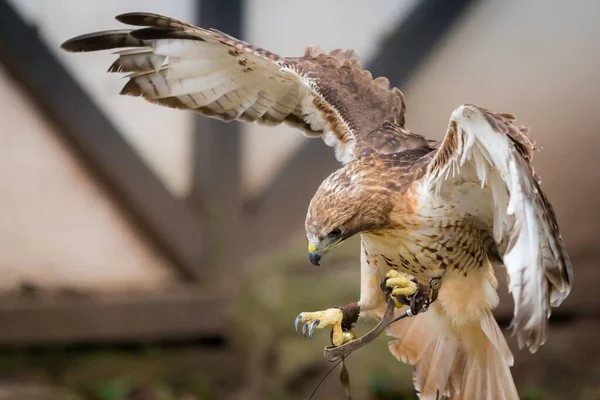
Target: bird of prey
pixel 446 210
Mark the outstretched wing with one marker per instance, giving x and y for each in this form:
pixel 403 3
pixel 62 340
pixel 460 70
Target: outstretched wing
pixel 178 65
pixel 483 168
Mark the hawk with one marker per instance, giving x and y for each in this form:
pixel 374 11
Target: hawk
pixel 423 209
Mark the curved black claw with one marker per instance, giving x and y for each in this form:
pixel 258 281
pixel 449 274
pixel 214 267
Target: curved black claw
pixel 313 326
pixel 383 287
pixel 297 321
pixel 308 329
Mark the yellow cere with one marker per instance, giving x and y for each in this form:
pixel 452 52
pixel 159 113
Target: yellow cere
pixel 312 247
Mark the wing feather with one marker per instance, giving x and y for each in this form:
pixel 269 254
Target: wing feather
pixel 481 145
pixel 178 65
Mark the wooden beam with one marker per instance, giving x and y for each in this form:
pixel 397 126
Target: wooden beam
pixel 216 186
pixel 47 320
pixel 415 37
pixel 283 205
pixel 166 220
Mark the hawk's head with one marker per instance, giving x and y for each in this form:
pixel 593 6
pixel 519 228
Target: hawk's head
pixel 349 201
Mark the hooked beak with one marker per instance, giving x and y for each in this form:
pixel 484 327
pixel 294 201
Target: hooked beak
pixel 314 258
pixel 314 255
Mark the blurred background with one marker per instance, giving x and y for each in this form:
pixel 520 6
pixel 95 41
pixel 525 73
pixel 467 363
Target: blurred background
pixel 147 253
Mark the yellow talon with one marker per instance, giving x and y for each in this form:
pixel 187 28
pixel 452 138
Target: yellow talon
pixel 320 319
pixel 401 285
pixel 392 273
pixel 405 291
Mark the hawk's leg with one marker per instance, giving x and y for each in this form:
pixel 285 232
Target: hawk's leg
pixel 340 319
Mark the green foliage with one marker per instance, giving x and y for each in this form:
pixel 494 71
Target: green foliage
pixel 115 389
pixel 533 393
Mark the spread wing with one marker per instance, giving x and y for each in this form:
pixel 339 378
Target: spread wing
pixel 178 65
pixel 483 167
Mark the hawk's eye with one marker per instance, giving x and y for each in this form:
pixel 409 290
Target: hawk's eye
pixel 335 233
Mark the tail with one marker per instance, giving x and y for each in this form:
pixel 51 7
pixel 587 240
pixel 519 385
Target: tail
pixel 459 363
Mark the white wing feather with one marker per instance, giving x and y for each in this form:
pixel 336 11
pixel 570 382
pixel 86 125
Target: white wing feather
pixel 512 207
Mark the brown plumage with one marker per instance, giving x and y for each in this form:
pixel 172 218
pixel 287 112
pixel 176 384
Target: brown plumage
pixel 177 65
pixel 430 210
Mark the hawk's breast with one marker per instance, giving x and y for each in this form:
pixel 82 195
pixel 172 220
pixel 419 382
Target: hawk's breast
pixel 427 246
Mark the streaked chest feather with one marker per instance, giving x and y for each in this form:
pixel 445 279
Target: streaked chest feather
pixel 425 246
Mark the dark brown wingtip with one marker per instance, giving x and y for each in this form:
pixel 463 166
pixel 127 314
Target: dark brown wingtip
pixel 150 20
pixel 81 43
pixel 68 45
pixel 137 18
pixel 104 40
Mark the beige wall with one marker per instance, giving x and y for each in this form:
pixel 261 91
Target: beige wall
pixel 57 227
pixel 161 136
pixel 539 60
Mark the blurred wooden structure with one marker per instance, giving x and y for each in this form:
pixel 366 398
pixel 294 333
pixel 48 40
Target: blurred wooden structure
pixel 169 223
